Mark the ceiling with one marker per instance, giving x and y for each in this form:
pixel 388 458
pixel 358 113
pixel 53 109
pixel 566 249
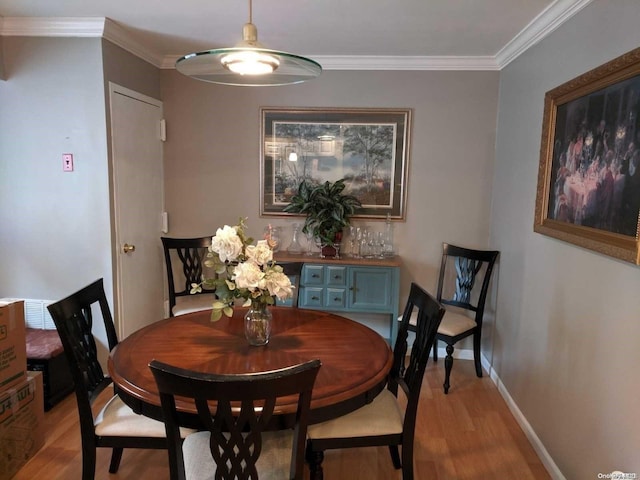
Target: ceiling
pixel 339 34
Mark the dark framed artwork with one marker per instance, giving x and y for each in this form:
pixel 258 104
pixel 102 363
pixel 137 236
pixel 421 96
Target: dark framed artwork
pixel 368 147
pixel 589 174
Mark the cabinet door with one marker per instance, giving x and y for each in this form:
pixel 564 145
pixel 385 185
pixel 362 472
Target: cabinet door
pixel 371 289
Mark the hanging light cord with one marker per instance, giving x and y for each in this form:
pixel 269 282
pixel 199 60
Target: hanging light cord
pixel 250 12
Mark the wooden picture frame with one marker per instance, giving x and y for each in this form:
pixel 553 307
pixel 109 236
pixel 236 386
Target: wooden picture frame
pixel 588 189
pixel 369 147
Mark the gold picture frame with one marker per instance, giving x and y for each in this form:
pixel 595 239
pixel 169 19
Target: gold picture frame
pixel 588 189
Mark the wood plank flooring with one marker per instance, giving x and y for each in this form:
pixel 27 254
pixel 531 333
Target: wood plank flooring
pixel 466 435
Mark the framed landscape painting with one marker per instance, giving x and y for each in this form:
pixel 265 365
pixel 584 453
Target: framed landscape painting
pixel 367 147
pixel 589 174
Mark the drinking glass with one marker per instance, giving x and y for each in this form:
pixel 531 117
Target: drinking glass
pixel 370 245
pixel 352 240
pixel 309 237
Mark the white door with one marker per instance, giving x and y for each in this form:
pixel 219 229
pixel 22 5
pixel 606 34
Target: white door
pixel 138 205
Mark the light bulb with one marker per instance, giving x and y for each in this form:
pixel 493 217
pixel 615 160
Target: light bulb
pixel 248 62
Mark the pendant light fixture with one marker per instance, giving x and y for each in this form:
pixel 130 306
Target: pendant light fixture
pixel 248 63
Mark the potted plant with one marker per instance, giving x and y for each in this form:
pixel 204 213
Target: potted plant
pixel 328 210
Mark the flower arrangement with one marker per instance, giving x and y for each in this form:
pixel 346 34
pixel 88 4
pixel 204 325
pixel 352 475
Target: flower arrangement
pixel 243 271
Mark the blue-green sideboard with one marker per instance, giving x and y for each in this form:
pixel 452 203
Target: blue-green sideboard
pixel 350 285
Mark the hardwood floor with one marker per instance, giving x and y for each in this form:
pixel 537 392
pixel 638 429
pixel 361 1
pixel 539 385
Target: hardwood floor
pixel 468 434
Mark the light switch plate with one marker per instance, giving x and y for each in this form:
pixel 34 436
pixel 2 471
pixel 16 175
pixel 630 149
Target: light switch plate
pixel 67 162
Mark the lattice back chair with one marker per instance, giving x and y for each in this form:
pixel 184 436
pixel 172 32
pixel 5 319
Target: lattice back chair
pixel 294 271
pixel 463 284
pixel 116 426
pixel 384 421
pixel 189 255
pixel 234 443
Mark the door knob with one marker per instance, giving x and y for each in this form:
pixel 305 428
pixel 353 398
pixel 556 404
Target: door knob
pixel 128 248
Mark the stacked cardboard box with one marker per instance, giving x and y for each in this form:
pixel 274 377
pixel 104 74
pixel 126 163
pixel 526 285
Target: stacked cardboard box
pixel 21 395
pixel 13 344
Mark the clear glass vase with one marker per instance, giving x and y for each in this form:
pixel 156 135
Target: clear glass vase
pixel 257 324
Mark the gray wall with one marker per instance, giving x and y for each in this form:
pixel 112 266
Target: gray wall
pixel 213 147
pixel 567 326
pixel 55 229
pixel 55 234
pixel 2 74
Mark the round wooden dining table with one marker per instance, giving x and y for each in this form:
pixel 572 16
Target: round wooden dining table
pixel 355 359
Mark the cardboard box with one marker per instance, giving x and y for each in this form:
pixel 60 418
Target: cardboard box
pixel 21 424
pixel 13 344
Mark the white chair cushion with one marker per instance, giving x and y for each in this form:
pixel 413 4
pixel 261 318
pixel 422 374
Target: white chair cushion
pixel 273 464
pixel 116 419
pixel 383 416
pixel 193 303
pixel 453 323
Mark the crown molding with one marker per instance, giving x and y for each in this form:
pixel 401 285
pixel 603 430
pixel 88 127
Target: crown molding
pixel 122 38
pixel 96 27
pixel 52 27
pixel 546 22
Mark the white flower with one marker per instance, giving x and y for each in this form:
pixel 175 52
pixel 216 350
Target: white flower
pixel 260 254
pixel 278 284
pixel 243 271
pixel 226 244
pixel 248 275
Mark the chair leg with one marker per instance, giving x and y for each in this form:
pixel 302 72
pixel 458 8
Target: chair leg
pixel 435 350
pixel 314 459
pixel 88 464
pixel 407 458
pixel 448 365
pixel 116 456
pixel 476 354
pixel 395 456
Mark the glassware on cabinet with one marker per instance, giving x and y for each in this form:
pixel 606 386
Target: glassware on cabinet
pixel 363 242
pixel 381 244
pixel 295 247
pixel 367 247
pixel 357 238
pixel 388 240
pixel 309 237
pixel 352 241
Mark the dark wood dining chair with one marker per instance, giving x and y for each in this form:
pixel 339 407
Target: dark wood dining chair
pixel 294 271
pixel 384 421
pixel 234 443
pixel 189 255
pixel 115 426
pixel 464 298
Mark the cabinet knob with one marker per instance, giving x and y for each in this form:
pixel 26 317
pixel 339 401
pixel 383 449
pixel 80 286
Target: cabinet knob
pixel 336 299
pixel 315 298
pixel 314 275
pixel 337 277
